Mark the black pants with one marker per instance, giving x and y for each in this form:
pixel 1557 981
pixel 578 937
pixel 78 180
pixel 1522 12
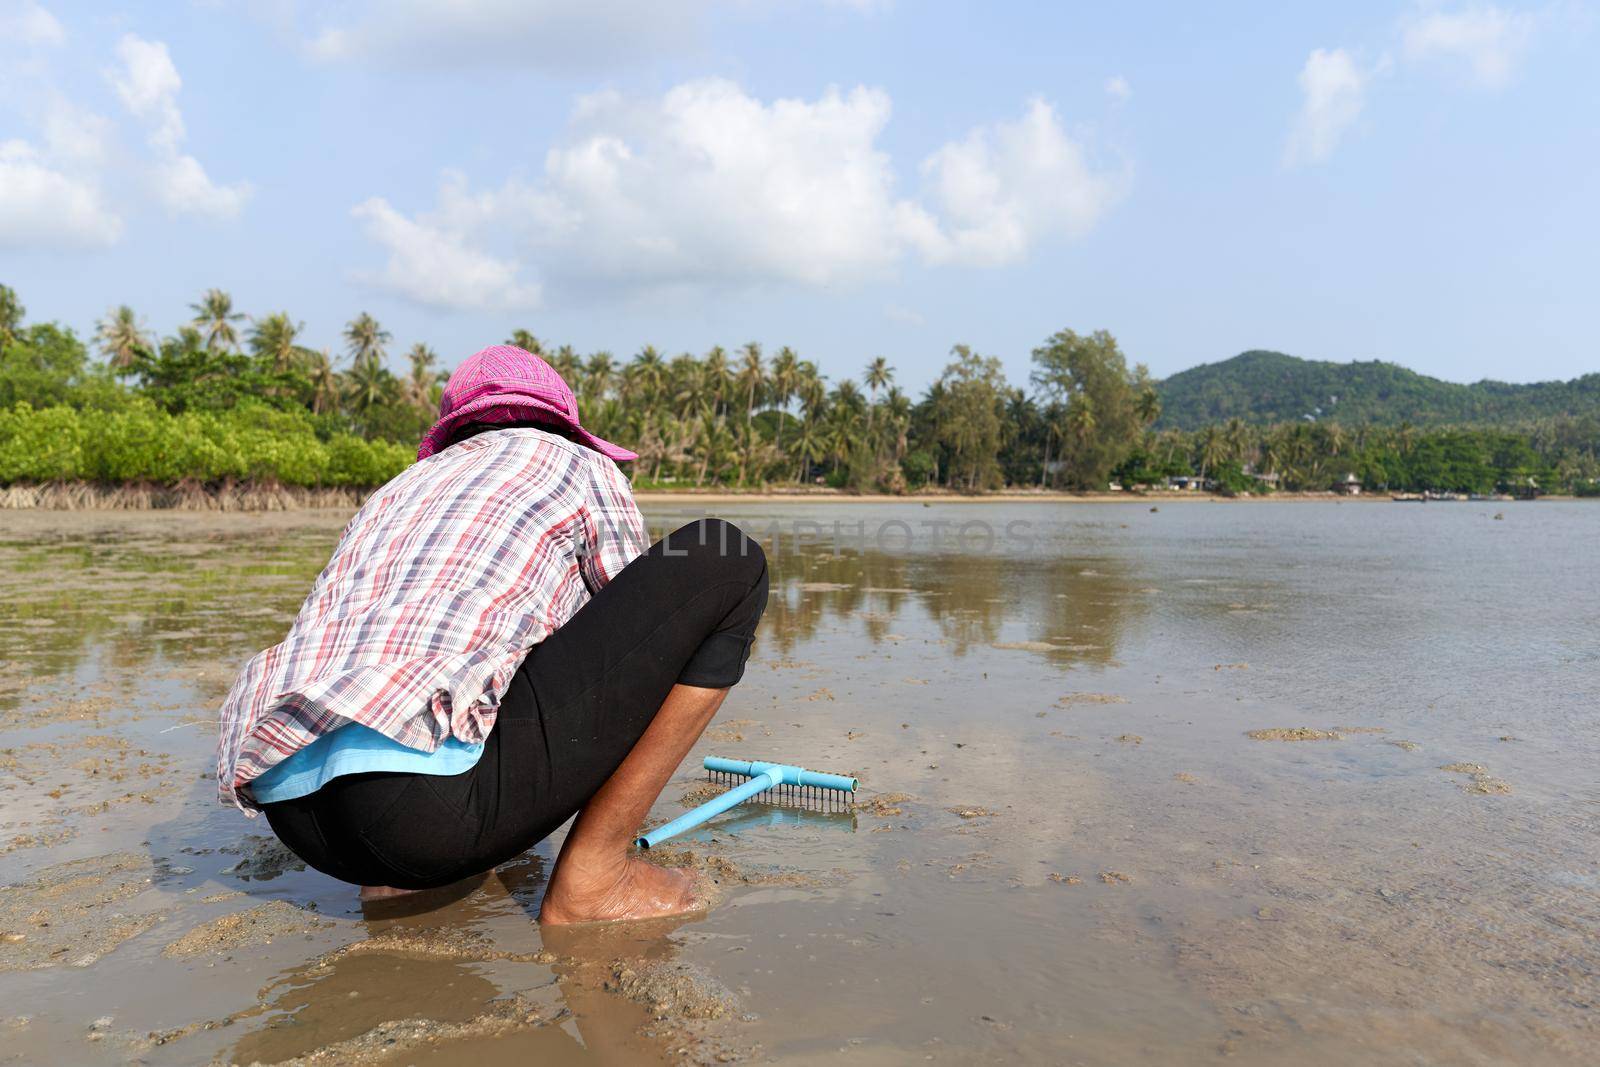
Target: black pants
pixel 686 611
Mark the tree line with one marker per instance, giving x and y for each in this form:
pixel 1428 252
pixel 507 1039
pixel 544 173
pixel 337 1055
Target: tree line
pixel 230 396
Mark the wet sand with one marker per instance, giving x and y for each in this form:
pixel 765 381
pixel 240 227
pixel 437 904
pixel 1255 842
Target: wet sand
pixel 1198 785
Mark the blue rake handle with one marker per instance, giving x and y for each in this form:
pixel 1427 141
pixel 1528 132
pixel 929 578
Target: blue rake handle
pixel 763 776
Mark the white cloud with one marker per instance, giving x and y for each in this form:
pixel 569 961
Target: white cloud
pixel 432 265
pixel 148 84
pixel 41 205
pixel 1004 186
pixel 707 185
pixel 1489 40
pixel 186 189
pixel 903 315
pixel 75 135
pixel 27 22
pixel 1334 88
pixel 1117 87
pixel 545 33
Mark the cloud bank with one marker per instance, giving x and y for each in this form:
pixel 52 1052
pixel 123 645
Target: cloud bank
pixel 708 185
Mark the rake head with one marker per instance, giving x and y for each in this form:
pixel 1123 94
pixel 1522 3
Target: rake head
pixel 768 783
pixel 809 790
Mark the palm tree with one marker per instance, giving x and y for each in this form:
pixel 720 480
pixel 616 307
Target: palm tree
pixel 878 375
pixel 807 449
pixel 1213 446
pixel 419 386
pixel 567 364
pixel 272 339
pixel 646 377
pixel 325 387
pixel 1237 435
pixel 11 313
pixel 525 340
pixel 214 316
pixel 898 408
pixel 715 442
pixel 718 377
pixel 1148 406
pixel 684 391
pixel 784 378
pixel 751 377
pixel 1081 419
pixel 597 375
pixel 367 385
pixel 121 337
pixel 365 340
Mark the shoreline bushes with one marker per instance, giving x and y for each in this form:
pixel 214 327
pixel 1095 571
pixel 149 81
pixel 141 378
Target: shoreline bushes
pixel 142 444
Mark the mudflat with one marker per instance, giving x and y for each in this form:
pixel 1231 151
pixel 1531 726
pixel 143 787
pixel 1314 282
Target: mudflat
pixel 1304 781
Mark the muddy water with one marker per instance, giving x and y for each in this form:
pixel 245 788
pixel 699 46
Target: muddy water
pixel 1215 782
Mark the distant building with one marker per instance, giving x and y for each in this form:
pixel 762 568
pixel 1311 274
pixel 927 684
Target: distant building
pixel 1269 479
pixel 1349 486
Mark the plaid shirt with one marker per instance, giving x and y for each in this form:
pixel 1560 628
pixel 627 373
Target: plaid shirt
pixel 437 589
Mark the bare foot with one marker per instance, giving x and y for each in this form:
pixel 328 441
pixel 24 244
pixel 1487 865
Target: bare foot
pixel 369 893
pixel 637 889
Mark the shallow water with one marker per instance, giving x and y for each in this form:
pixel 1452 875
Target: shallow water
pixel 1091 861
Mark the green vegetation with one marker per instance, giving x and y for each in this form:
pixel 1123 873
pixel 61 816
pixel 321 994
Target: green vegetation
pixel 233 399
pixel 1268 387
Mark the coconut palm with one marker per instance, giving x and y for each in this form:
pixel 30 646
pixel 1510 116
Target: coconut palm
pixel 646 377
pixel 685 391
pixel 1148 406
pixel 1081 419
pixel 368 385
pixel 121 337
pixel 752 375
pixel 214 318
pixel 365 340
pixel 807 448
pixel 567 364
pixel 718 377
pixel 11 313
pixel 597 375
pixel 1213 450
pixel 1238 435
pixel 782 382
pixel 878 375
pixel 272 339
pixel 525 340
pixel 715 443
pixel 325 386
pixel 420 384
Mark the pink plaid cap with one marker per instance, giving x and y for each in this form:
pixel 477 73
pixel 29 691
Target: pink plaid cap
pixel 504 383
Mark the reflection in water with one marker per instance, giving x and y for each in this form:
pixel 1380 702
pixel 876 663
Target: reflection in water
pixel 133 599
pixel 1073 611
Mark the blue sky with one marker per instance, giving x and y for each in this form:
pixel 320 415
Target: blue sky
pixel 1403 181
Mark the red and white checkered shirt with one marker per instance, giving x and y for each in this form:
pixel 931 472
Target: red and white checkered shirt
pixel 438 587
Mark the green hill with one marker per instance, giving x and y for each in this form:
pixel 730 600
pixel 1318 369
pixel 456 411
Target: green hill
pixel 1266 387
